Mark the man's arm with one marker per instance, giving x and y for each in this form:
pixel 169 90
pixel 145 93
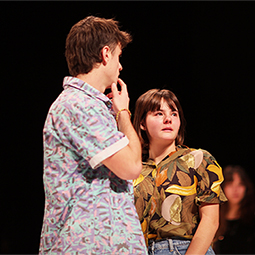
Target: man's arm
pixel 126 163
pixel 206 230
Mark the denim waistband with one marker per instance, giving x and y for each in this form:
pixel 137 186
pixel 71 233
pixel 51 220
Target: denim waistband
pixel 166 242
pixel 175 238
pixel 170 245
pixel 174 246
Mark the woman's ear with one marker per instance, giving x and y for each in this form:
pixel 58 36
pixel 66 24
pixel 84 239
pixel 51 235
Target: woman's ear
pixel 142 126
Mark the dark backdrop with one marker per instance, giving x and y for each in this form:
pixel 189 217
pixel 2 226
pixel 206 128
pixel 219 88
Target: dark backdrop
pixel 202 51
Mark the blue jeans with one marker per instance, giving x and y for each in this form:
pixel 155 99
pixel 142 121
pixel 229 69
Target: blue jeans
pixel 172 247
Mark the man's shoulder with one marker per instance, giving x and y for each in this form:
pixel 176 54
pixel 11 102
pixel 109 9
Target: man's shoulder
pixel 73 99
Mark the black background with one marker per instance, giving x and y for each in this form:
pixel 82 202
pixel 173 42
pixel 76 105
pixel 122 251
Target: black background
pixel 202 51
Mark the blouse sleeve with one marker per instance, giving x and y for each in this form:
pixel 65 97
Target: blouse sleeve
pixel 210 177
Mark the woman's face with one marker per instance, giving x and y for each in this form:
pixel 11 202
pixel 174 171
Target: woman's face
pixel 235 190
pixel 162 126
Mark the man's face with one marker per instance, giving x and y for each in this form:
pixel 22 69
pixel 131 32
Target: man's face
pixel 114 66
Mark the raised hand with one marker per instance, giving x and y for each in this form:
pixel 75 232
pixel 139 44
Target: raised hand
pixel 120 99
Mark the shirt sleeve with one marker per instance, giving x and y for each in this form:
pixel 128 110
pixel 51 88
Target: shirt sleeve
pixel 210 177
pixel 86 126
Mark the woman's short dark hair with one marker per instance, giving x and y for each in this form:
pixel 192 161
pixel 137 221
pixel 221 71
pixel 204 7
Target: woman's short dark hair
pixel 151 101
pixel 86 40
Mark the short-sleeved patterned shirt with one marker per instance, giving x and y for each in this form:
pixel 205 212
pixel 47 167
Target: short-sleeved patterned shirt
pixel 168 195
pixel 88 209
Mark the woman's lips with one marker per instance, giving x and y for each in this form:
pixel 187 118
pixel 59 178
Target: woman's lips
pixel 167 129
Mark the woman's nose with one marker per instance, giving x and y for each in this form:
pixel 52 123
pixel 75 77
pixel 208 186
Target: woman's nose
pixel 168 119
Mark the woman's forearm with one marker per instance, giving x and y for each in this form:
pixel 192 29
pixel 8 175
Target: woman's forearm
pixel 206 230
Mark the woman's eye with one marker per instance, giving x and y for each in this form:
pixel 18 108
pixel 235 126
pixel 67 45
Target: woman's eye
pixel 158 113
pixel 175 114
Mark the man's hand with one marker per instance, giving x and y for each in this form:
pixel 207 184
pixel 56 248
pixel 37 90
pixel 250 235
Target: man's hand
pixel 120 99
pixel 126 163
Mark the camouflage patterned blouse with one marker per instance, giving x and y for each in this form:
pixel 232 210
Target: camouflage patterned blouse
pixel 168 195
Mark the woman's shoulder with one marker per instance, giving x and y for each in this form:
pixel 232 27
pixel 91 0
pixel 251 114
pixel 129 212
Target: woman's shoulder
pixel 201 158
pixel 205 153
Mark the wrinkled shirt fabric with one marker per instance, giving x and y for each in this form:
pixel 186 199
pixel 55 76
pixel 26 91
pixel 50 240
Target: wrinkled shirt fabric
pixel 88 209
pixel 168 194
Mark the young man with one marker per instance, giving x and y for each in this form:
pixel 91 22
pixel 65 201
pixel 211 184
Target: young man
pixel 90 157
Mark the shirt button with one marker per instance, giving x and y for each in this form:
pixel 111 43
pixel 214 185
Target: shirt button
pixel 83 165
pixel 109 104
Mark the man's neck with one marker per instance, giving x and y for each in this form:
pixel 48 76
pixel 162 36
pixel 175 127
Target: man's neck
pixel 94 78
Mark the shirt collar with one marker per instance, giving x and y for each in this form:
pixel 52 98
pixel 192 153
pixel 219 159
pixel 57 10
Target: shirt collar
pixel 179 151
pixel 74 82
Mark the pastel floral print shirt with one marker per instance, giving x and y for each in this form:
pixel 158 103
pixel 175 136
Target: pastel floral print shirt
pixel 168 195
pixel 88 209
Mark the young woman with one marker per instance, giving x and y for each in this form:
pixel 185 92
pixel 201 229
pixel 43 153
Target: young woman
pixel 236 234
pixel 178 193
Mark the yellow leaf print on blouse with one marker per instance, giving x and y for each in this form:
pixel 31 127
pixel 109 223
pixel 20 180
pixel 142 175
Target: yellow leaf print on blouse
pixel 138 180
pixel 161 177
pixel 154 172
pixel 193 159
pixel 142 177
pixel 217 170
pixel 183 191
pixel 171 209
pixel 189 159
pixel 144 226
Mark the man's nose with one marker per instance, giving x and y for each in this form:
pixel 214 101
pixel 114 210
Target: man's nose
pixel 120 67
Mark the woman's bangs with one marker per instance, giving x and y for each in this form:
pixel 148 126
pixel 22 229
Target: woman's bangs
pixel 154 104
pixel 171 104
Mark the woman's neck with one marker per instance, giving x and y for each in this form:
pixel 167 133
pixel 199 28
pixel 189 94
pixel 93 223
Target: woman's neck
pixel 158 153
pixel 233 212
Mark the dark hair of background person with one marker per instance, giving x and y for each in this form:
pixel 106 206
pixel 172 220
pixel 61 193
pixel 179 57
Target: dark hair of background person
pixel 247 216
pixel 247 206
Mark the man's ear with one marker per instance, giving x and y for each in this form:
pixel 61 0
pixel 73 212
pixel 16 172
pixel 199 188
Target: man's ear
pixel 106 51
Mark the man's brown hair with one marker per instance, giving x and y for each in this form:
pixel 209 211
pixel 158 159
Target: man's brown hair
pixel 150 102
pixel 86 40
